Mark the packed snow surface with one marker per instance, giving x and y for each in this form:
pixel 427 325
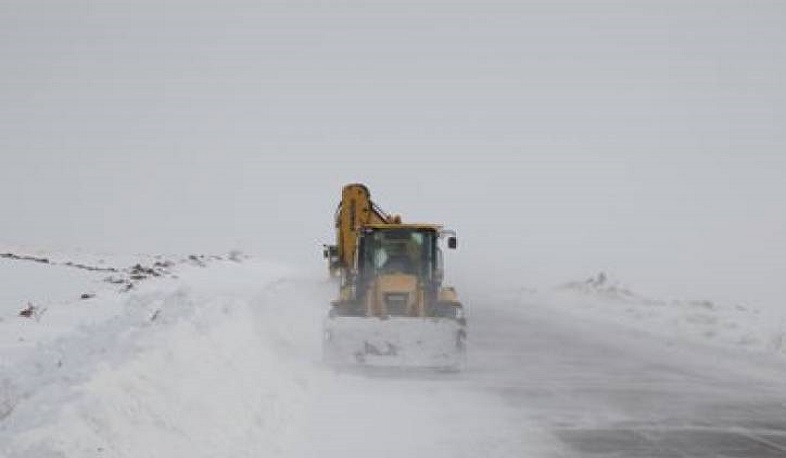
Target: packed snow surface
pixel 749 326
pixel 221 356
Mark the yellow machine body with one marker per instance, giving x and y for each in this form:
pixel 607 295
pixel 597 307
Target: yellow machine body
pixel 391 299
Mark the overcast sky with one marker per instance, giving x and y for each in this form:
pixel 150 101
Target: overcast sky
pixel 644 138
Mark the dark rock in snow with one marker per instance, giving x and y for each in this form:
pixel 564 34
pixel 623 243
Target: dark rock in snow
pixel 29 311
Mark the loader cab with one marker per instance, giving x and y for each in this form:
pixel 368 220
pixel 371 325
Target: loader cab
pixel 399 250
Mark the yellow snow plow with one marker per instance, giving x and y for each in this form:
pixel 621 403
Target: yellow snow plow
pixel 392 309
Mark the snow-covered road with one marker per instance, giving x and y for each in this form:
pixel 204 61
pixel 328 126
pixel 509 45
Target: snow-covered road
pixel 607 390
pixel 224 360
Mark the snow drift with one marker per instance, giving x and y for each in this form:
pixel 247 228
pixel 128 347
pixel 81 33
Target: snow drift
pixel 221 356
pixel 705 321
pixel 201 365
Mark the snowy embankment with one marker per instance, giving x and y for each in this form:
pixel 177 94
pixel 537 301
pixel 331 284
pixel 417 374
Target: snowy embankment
pixel 191 359
pixel 220 356
pixel 703 321
pixel 214 357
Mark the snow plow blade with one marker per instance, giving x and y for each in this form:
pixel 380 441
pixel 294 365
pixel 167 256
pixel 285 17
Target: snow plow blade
pixel 404 342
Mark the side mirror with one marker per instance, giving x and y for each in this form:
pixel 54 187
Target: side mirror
pixel 330 251
pixel 452 243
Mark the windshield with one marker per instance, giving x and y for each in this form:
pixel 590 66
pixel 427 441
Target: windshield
pixel 406 251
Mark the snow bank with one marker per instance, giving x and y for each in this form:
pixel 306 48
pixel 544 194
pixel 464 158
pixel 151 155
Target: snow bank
pixel 170 393
pixel 706 321
pixel 223 358
pixel 206 364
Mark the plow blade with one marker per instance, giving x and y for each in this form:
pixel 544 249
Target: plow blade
pixel 405 342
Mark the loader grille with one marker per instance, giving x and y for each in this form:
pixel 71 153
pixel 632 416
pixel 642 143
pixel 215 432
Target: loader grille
pixel 396 303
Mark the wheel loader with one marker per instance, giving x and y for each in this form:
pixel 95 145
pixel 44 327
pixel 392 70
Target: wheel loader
pixel 392 308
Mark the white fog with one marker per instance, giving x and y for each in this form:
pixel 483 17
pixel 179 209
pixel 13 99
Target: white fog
pixel 644 140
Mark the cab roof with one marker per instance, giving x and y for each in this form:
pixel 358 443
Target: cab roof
pixel 416 226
